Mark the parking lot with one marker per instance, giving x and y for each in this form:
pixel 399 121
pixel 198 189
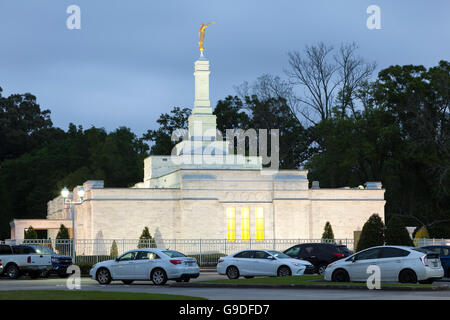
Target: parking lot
pixel 55 283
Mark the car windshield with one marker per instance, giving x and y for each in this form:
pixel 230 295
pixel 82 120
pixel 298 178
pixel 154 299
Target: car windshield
pixel 43 250
pixel 173 254
pixel 279 255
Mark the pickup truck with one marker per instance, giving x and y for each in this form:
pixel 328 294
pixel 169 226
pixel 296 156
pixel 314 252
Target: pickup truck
pixel 60 263
pixel 20 259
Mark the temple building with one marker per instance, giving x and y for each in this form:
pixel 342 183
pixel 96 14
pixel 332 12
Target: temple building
pixel 202 191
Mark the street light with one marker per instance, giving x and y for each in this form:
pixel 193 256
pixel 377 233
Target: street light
pixel 65 194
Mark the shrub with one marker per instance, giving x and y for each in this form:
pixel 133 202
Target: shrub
pixel 396 233
pixel 85 267
pixel 30 233
pixel 422 233
pixel 146 240
pixel 63 247
pixel 328 231
pixel 372 233
pixel 114 252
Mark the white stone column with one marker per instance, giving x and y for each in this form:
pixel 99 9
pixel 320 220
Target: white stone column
pixel 202 123
pixel 202 105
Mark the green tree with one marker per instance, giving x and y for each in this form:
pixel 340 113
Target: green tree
pixel 422 233
pixel 63 244
pixel 30 233
pixel 328 231
pixel 23 125
pixel 168 123
pixel 372 233
pixel 396 233
pixel 114 251
pixel 146 240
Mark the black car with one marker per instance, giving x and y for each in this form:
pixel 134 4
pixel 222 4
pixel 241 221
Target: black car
pixel 59 263
pixel 319 254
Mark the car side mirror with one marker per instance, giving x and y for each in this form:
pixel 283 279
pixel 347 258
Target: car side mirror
pixel 354 259
pixel 116 259
pixel 271 258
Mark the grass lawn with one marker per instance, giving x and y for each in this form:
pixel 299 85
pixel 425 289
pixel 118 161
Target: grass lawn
pixel 306 280
pixel 87 295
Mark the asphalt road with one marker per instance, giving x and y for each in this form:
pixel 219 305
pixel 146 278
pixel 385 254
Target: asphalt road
pixel 226 293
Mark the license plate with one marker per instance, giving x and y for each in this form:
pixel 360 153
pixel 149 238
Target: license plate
pixel 188 263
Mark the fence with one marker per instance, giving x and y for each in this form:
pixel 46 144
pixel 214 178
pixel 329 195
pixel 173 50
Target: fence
pixel 431 242
pixel 206 251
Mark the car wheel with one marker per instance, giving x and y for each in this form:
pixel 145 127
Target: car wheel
pixel 248 277
pixel 321 268
pixel 232 272
pixel 103 276
pixel 127 281
pixel 12 271
pixel 340 276
pixel 407 276
pixel 159 277
pixel 284 271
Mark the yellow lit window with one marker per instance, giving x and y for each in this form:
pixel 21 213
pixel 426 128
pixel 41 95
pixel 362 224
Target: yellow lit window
pixel 259 223
pixel 245 223
pixel 231 223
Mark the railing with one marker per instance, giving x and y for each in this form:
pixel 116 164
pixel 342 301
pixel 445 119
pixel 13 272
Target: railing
pixel 431 242
pixel 206 251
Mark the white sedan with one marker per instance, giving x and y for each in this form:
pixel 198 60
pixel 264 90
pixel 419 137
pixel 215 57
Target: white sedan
pixel 250 263
pixel 157 265
pixel 396 263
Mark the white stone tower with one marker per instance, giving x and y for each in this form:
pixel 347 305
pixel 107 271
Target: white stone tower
pixel 202 124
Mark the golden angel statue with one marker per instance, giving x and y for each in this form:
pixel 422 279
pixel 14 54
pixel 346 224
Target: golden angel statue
pixel 201 34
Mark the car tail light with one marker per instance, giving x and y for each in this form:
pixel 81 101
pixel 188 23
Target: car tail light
pixel 424 261
pixel 220 260
pixel 339 255
pixel 0 262
pixel 29 259
pixel 175 262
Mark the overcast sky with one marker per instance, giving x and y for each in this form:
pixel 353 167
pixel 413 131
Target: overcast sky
pixel 133 60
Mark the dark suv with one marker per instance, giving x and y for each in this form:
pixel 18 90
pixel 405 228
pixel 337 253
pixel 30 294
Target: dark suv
pixel 319 254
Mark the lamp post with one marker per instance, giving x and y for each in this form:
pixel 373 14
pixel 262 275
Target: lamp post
pixel 65 193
